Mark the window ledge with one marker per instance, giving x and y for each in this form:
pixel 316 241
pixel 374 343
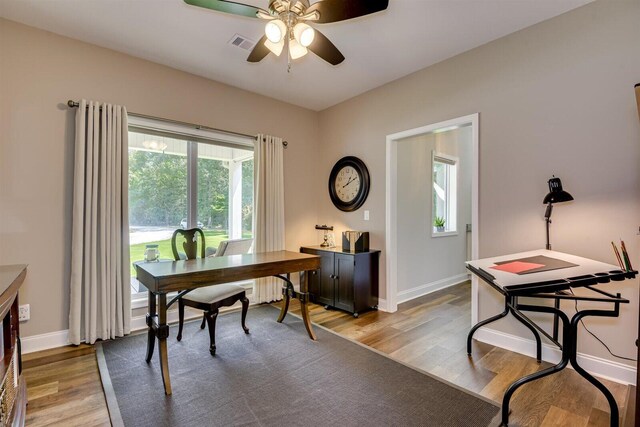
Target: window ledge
pixel 444 233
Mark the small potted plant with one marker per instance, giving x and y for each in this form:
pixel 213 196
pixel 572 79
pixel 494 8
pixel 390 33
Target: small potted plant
pixel 438 222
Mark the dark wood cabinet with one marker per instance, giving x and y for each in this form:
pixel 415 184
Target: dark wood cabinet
pixel 13 389
pixel 345 280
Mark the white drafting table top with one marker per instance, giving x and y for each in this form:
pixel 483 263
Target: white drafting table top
pixel 504 278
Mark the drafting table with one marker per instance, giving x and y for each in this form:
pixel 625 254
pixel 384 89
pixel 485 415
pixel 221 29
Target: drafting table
pixel 550 282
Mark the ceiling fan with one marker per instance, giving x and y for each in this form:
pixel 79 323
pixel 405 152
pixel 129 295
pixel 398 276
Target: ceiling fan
pixel 287 24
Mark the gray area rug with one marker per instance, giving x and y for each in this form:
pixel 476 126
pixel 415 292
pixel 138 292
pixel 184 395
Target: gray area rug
pixel 277 376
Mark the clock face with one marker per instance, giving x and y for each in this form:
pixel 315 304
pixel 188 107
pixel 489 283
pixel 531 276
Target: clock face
pixel 349 183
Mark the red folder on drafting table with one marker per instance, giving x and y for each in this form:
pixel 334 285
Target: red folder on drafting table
pixel 534 264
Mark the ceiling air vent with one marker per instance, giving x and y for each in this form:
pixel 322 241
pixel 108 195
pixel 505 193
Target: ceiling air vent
pixel 242 42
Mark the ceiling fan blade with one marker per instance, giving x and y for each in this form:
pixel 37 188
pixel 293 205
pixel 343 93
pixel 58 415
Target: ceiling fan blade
pixel 259 51
pixel 340 10
pixel 326 50
pixel 228 7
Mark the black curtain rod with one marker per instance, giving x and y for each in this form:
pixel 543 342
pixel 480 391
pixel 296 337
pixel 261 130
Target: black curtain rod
pixel 74 104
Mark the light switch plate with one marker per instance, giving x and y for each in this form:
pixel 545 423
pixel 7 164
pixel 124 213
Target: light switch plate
pixel 366 215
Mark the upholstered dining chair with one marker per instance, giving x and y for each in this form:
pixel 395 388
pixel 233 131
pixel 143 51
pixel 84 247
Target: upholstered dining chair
pixel 209 298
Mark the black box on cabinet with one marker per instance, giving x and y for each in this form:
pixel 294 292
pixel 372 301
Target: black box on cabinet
pixel 355 241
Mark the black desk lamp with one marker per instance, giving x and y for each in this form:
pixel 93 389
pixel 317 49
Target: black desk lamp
pixel 556 195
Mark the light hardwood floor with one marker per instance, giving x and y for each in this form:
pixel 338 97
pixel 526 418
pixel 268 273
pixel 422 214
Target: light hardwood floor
pixel 429 333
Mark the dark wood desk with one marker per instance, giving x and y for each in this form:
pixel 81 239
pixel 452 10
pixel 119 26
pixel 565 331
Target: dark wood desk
pixel 554 285
pixel 184 276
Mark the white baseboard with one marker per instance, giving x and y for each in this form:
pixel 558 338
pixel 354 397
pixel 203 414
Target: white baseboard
pixel 382 305
pixel 50 340
pixel 428 288
pixel 603 368
pixel 44 341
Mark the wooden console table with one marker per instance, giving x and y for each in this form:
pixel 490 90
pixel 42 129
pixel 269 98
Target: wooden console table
pixel 13 389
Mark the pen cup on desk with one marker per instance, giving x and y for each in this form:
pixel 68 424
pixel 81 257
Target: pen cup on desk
pixel 151 253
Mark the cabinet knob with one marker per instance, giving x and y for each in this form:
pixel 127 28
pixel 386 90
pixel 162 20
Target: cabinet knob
pixel 314 272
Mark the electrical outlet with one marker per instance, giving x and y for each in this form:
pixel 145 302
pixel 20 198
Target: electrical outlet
pixel 24 313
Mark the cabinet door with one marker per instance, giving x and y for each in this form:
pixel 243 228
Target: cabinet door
pixel 344 282
pixel 325 293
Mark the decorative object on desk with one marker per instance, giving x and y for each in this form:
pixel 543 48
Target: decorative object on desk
pixel 355 241
pixel 325 228
pixel 151 253
pixel 556 195
pixel 625 257
pixel 438 223
pixel 618 257
pixel 331 240
pixel 349 184
pixel 252 373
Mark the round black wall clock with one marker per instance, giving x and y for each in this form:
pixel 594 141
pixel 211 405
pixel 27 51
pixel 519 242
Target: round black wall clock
pixel 349 183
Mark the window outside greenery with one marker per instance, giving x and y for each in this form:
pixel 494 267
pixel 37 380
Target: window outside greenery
pixel 159 192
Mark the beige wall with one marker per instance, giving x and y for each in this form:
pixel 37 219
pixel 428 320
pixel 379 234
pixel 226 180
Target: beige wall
pixel 556 98
pixel 39 72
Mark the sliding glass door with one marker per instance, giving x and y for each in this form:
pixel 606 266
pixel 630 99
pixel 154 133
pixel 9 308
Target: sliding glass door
pixel 178 181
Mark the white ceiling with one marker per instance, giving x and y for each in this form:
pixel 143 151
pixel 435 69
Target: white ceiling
pixel 408 36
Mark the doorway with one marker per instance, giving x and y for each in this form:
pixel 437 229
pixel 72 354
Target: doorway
pixel 432 209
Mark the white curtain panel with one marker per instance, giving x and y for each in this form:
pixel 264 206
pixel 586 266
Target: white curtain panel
pixel 268 227
pixel 100 306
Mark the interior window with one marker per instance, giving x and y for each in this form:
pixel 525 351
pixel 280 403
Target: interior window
pixel 443 216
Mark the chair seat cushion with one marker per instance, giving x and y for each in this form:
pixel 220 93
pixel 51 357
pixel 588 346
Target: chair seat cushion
pixel 211 294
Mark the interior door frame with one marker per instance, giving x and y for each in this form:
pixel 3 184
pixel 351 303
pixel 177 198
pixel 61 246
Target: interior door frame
pixel 391 245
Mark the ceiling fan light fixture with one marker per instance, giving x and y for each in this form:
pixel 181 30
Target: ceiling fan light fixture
pixel 275 30
pixel 296 50
pixel 303 34
pixel 275 48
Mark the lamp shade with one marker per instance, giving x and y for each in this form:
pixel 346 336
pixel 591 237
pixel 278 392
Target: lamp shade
pixel 275 30
pixel 296 50
pixel 304 34
pixel 275 48
pixel 556 193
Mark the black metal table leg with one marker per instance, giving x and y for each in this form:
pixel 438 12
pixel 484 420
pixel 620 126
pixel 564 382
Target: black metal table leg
pixel 569 355
pixel 485 322
pixel 566 353
pixel 613 406
pixel 533 330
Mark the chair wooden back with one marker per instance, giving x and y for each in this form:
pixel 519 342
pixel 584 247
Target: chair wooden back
pixel 190 244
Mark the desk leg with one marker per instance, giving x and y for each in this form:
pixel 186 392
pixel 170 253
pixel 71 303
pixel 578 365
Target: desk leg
pixel 151 333
pixel 613 406
pixel 289 292
pixel 485 322
pixel 286 296
pixel 566 354
pixel 533 330
pixel 304 300
pixel 163 333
